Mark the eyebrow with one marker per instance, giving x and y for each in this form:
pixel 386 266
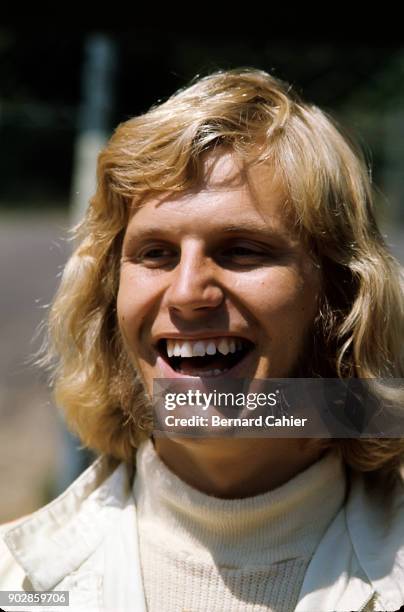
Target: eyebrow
pixel 258 229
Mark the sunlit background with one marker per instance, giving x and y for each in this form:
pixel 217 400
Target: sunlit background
pixel 61 95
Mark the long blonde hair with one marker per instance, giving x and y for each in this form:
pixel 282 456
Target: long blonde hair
pixel 359 326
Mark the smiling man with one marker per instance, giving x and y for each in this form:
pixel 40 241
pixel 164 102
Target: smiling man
pixel 219 262
pixel 228 288
pixel 232 235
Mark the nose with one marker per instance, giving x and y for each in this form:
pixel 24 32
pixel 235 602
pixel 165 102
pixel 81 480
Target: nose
pixel 194 286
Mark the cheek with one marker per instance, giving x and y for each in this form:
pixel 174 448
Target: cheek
pixel 132 303
pixel 286 301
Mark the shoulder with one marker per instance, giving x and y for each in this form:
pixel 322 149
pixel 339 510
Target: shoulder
pixel 12 576
pixel 30 547
pixel 360 558
pixel 375 523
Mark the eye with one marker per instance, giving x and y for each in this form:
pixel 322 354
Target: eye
pixel 241 251
pixel 156 256
pixel 245 254
pixel 156 253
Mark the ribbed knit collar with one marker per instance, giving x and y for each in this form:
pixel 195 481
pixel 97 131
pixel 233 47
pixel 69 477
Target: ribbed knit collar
pixel 284 523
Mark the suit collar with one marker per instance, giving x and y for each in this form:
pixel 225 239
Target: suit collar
pixel 57 539
pixel 360 556
pixel 376 528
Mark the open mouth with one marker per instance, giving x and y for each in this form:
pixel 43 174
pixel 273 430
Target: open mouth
pixel 208 357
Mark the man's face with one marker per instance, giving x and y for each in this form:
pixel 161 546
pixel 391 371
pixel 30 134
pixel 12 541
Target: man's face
pixel 218 276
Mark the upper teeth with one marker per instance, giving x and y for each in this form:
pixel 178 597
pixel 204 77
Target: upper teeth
pixel 199 348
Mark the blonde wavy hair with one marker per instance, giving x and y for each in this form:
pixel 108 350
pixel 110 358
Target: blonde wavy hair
pixel 358 331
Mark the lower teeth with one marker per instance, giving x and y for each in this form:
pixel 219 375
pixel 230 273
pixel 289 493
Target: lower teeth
pixel 205 372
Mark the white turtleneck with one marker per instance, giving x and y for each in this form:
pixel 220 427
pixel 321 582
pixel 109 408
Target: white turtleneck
pixel 204 554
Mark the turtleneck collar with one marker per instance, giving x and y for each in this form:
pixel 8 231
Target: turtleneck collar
pixel 284 523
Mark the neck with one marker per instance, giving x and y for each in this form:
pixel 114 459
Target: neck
pixel 230 468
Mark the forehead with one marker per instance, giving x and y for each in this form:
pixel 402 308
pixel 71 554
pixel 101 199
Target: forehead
pixel 230 193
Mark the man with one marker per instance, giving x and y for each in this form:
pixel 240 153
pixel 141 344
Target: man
pixel 231 235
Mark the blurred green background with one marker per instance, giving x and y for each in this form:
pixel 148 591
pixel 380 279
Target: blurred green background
pixel 61 96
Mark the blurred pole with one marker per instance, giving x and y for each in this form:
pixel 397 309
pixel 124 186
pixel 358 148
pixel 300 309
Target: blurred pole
pixel 98 80
pixel 394 162
pixel 393 184
pixel 393 167
pixel 94 118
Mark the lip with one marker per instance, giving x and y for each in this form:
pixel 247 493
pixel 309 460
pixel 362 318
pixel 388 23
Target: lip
pixel 238 370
